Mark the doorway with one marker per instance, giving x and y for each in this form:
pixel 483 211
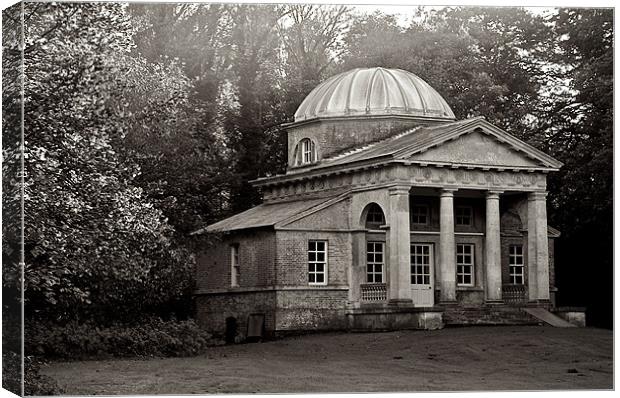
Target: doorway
pixel 422 270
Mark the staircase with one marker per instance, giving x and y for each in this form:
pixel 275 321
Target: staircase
pixel 488 315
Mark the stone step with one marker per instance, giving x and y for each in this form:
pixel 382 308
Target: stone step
pixel 488 316
pixel 549 318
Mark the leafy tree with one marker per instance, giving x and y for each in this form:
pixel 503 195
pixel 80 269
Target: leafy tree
pixel 253 108
pixel 579 131
pixel 312 39
pixel 92 240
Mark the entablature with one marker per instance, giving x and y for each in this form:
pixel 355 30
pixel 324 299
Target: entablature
pixel 409 173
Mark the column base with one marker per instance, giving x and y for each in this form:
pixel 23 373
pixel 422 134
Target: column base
pixel 494 302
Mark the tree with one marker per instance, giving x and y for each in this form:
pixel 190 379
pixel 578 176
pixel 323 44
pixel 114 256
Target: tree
pixel 579 131
pixel 92 240
pixel 311 36
pixel 252 110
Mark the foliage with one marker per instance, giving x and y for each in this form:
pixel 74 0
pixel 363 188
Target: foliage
pixel 93 241
pixel 144 337
pixel 579 127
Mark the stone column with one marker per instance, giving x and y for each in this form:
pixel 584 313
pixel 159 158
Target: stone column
pixel 537 247
pixel 398 240
pixel 447 247
pixel 492 249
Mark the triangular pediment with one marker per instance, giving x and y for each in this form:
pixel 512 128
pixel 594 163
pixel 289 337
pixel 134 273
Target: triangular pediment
pixel 476 147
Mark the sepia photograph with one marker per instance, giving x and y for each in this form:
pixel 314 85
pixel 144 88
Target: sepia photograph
pixel 211 198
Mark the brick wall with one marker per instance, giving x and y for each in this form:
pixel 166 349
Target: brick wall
pixel 292 257
pixel 256 261
pixel 213 309
pixel 311 309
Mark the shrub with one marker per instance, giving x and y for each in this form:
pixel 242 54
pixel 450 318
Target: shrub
pixel 34 382
pixel 147 337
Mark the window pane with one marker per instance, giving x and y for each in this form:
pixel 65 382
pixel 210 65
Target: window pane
pixel 320 256
pixel 320 278
pixel 312 245
pixel 311 278
pixel 320 246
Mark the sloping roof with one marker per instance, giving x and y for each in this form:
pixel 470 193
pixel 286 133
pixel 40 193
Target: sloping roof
pixel 419 139
pixel 263 215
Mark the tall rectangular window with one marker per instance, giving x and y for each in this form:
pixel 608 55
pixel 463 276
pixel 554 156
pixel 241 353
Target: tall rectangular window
pixel 465 264
pixel 317 262
pixel 420 264
pixel 419 214
pixel 515 264
pixel 463 215
pixel 374 262
pixel 234 265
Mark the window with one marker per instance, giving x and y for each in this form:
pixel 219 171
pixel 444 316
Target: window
pixel 515 264
pixel 374 262
pixel 464 215
pixel 317 262
pixel 234 265
pixel 374 217
pixel 465 264
pixel 419 214
pixel 420 264
pixel 307 152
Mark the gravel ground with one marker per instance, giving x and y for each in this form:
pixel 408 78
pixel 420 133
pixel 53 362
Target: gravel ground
pixel 452 359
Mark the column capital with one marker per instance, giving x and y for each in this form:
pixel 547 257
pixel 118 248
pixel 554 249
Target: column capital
pixel 538 195
pixel 399 190
pixel 447 192
pixel 493 194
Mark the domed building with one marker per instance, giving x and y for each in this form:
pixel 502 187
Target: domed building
pixel 391 214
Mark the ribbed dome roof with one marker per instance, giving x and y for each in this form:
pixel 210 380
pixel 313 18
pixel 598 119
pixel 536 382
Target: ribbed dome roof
pixel 375 92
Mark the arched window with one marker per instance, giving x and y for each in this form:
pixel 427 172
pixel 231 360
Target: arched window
pixel 374 217
pixel 306 152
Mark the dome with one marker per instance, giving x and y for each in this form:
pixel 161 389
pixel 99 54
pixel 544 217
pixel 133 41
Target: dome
pixel 374 92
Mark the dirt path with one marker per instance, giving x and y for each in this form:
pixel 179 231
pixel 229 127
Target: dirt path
pixel 474 358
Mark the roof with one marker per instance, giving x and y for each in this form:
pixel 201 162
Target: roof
pixel 264 215
pixel 374 92
pixel 417 140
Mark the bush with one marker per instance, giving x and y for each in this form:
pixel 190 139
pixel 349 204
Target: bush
pixel 34 382
pixel 148 337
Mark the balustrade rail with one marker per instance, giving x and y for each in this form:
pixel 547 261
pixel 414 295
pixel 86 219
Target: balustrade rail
pixel 374 292
pixel 514 294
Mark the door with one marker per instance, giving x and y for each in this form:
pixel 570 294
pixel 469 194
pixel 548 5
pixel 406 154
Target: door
pixel 422 267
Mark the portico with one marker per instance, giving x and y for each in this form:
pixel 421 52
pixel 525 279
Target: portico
pixel 442 239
